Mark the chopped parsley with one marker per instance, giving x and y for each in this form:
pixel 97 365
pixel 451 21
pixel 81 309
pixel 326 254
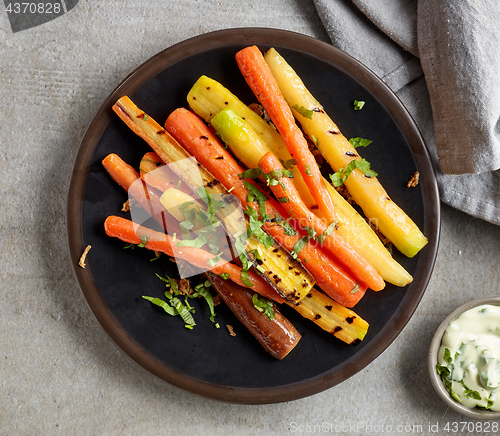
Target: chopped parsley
pixel 306 113
pixel 263 305
pixel 360 142
pixel 358 105
pixel 341 176
pixel 327 232
pixel 175 306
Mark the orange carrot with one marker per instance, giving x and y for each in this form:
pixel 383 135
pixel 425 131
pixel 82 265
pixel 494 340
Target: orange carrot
pixel 128 178
pixel 121 172
pixel 133 233
pixel 158 175
pixel 259 77
pixel 295 207
pixel 198 140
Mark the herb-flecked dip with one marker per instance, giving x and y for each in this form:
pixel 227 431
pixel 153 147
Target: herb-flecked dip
pixel 469 358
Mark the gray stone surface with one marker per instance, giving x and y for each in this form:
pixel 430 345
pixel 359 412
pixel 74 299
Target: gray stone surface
pixel 59 373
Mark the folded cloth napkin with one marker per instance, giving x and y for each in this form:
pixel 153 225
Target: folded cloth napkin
pixel 442 59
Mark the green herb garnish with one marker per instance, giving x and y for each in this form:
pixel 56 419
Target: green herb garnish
pixel 341 176
pixel 328 231
pixel 263 305
pixel 358 105
pixel 360 142
pixel 306 113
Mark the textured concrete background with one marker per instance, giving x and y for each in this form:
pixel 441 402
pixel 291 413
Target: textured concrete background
pixel 59 373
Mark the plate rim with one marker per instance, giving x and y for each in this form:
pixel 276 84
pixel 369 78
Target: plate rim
pixel 391 103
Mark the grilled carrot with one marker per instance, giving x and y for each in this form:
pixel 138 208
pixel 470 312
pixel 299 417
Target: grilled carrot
pixel 367 192
pixel 230 117
pixel 285 190
pixel 149 199
pixel 133 233
pixel 198 139
pixel 260 79
pixel 158 175
pixel 286 275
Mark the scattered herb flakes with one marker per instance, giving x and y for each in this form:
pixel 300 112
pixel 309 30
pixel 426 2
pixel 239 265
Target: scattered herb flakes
pixel 287 227
pixel 306 113
pixel 126 206
pixel 327 232
pixel 212 262
pixel 263 305
pixel 299 245
pixel 355 289
pixel 160 303
pixel 174 306
pixel 157 256
pixel 251 173
pixel 308 170
pixel 341 176
pixel 360 142
pixel 358 105
pixel 255 228
pixel 245 279
pixel 144 241
pixel 289 164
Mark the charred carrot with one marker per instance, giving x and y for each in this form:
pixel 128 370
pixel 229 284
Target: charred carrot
pixel 287 193
pixel 254 137
pixel 367 192
pixel 275 263
pixel 133 233
pixel 128 178
pixel 262 82
pixel 158 175
pixel 198 139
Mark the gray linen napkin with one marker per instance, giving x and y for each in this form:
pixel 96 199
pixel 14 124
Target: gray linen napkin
pixel 442 58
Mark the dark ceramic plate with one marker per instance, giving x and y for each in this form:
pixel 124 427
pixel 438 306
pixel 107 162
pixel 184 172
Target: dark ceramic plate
pixel 207 361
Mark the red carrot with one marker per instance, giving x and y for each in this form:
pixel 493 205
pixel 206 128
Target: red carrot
pixel 198 140
pixel 133 233
pixel 278 336
pixel 259 77
pixel 285 190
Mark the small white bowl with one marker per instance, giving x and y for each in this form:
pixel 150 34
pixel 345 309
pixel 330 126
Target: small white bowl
pixel 436 381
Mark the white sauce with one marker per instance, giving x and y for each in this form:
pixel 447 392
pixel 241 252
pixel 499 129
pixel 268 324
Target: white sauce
pixel 473 360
